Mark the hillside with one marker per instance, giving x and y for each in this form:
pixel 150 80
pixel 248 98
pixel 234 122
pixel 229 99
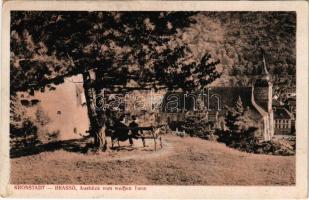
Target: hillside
pixel 182 161
pixel 236 39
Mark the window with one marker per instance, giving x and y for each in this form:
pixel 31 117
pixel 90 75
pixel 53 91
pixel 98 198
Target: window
pixel 35 101
pixel 25 102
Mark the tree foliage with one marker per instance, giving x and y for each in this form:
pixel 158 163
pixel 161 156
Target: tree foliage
pixel 246 32
pixel 123 47
pixel 241 128
pixel 23 131
pixel 118 51
pixel 197 125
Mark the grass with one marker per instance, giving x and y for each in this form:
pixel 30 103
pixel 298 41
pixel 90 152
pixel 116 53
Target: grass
pixel 182 161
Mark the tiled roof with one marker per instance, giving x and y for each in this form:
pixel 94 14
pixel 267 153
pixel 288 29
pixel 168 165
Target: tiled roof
pixel 229 95
pixel 261 83
pixel 228 98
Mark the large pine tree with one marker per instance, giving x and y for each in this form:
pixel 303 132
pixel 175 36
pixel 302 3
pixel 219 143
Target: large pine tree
pixel 110 49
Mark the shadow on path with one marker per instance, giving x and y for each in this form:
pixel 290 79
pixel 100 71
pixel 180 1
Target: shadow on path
pixel 74 145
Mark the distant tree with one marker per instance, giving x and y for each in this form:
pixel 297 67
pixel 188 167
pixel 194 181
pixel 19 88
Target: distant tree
pixel 233 116
pixel 239 106
pixel 241 128
pixel 197 126
pixel 277 70
pixel 110 49
pixel 291 70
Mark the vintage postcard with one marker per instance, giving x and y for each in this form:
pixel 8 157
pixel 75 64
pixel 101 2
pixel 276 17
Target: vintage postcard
pixel 154 99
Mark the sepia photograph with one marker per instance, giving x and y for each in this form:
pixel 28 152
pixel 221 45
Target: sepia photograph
pixel 122 100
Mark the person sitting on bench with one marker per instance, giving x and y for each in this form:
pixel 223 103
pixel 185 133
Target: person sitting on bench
pixel 134 133
pixel 120 132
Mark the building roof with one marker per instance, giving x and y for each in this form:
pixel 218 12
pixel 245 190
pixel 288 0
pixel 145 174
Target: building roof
pixel 282 113
pixel 230 95
pixel 227 96
pixel 261 83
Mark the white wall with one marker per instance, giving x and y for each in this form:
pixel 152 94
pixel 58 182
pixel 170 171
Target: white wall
pixel 64 108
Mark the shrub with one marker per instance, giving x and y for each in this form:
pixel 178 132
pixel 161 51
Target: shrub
pixel 197 126
pixel 241 134
pixel 24 135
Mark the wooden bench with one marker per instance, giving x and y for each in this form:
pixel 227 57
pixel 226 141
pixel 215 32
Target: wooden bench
pixel 148 132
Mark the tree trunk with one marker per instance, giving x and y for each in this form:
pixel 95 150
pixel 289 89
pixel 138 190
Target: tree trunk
pixel 97 122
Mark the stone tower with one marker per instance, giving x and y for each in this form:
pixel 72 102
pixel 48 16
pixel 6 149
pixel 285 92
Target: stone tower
pixel 263 89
